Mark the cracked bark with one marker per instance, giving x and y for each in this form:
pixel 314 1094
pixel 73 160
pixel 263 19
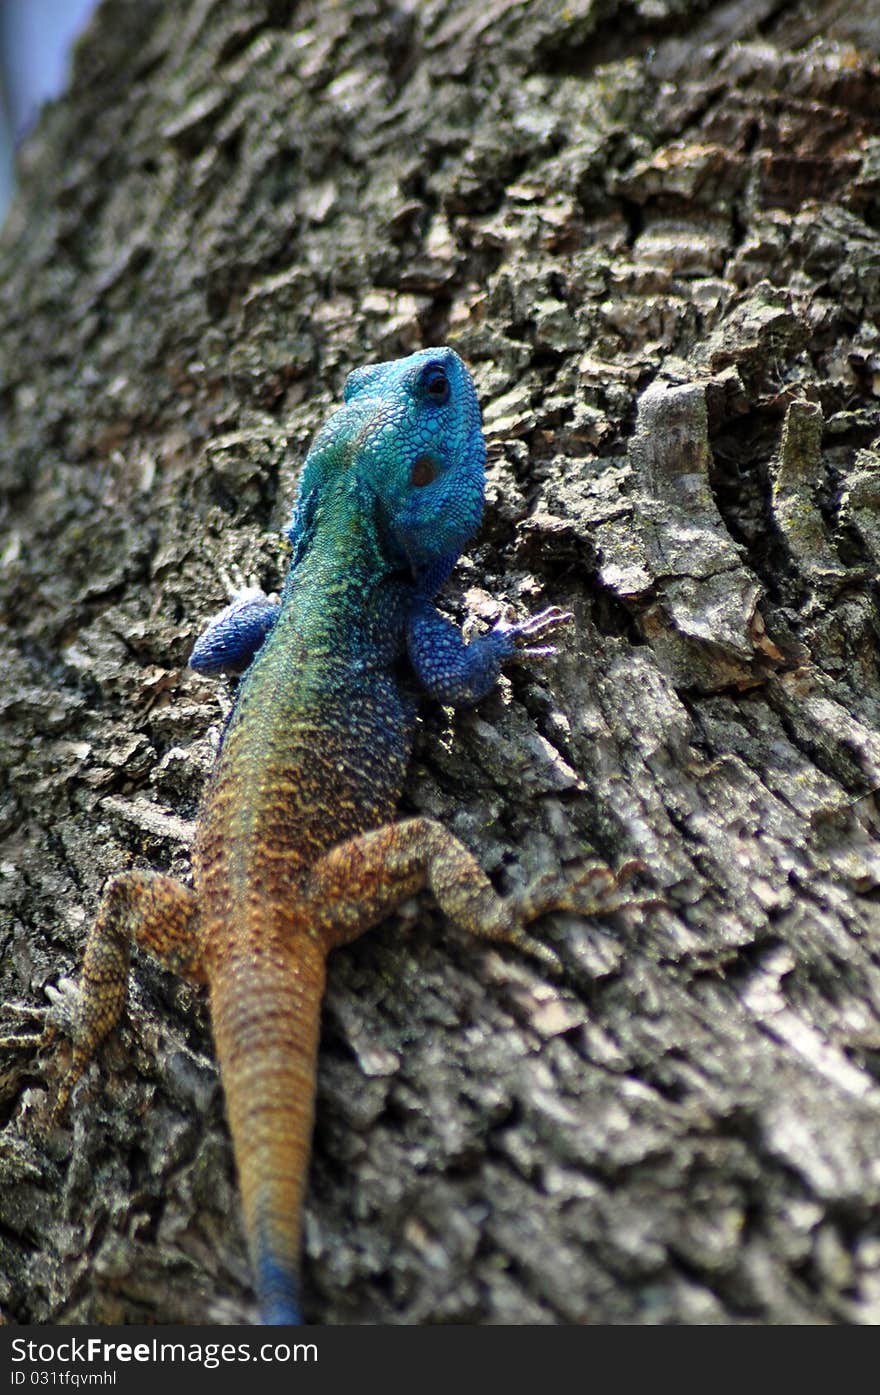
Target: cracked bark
pixel 653 233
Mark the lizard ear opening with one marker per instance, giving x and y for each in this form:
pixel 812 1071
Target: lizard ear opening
pixel 424 471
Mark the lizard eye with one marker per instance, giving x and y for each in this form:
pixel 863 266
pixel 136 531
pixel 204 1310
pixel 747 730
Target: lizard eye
pixel 424 471
pixel 435 383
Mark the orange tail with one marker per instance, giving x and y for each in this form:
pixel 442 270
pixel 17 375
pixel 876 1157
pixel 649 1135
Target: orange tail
pixel 266 1010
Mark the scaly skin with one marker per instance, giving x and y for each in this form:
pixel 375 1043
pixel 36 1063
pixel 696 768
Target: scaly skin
pixel 296 852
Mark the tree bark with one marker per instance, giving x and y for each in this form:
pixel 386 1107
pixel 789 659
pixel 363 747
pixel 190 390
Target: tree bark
pixel 652 231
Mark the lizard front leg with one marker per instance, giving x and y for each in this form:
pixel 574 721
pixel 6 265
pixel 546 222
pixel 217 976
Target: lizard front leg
pixel 358 882
pixel 233 636
pixel 155 912
pixel 461 674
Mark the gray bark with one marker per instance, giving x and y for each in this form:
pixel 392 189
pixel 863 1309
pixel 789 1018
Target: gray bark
pixel 652 231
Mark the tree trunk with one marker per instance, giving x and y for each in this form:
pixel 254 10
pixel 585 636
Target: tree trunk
pixel 652 232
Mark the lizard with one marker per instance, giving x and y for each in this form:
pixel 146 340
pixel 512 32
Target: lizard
pixel 297 850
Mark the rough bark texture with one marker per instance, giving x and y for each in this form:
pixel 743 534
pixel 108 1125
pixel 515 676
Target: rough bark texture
pixel 652 230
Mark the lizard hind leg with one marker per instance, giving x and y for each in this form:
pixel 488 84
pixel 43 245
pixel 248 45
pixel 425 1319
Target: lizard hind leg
pixel 157 913
pixel 358 882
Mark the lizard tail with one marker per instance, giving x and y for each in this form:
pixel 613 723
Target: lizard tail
pixel 266 1017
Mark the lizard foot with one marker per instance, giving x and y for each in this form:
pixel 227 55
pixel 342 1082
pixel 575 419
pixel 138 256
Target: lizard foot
pixel 591 890
pixel 58 1019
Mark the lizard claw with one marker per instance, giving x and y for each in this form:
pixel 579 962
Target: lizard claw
pixel 42 1035
pixel 522 636
pixel 241 589
pixel 58 1016
pixel 29 1010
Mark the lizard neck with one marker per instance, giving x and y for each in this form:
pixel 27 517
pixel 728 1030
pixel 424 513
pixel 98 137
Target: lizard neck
pixel 343 600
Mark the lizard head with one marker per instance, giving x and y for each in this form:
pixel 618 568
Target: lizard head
pixel 420 453
pixel 406 450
